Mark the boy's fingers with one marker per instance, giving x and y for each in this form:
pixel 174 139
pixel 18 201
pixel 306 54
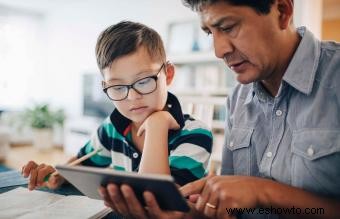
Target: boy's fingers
pixel 28 168
pixel 140 130
pixel 135 208
pixel 34 177
pixel 193 188
pixel 43 172
pixel 32 180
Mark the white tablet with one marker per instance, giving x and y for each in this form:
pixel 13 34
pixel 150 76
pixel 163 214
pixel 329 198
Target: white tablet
pixel 88 180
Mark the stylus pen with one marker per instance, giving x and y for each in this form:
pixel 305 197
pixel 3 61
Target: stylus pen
pixel 75 162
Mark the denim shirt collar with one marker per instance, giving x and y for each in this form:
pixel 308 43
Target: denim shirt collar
pixel 301 70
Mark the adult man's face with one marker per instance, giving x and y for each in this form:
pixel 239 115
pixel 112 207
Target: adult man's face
pixel 246 40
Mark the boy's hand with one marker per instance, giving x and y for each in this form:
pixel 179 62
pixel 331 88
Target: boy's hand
pixel 37 174
pixel 156 119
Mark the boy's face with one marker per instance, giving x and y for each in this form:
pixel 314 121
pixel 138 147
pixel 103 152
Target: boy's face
pixel 130 68
pixel 246 40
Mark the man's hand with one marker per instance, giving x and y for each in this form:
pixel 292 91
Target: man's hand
pixel 123 201
pixel 218 193
pixel 37 174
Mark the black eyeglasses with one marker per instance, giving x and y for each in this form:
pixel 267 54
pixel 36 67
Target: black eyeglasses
pixel 142 86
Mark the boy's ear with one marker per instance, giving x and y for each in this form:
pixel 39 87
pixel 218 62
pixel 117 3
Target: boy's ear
pixel 170 72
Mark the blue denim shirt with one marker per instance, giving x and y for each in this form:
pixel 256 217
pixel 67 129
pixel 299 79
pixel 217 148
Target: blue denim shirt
pixel 293 138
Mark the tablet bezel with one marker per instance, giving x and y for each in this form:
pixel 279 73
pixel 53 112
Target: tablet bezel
pixel 88 179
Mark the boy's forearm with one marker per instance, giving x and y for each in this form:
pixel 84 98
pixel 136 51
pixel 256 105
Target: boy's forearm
pixel 155 150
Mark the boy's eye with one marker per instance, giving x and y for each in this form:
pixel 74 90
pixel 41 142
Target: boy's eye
pixel 144 81
pixel 118 88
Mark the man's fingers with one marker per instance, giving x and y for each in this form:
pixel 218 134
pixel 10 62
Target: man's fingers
pixel 134 206
pixel 117 199
pixel 193 187
pixel 106 198
pixel 153 209
pixel 193 198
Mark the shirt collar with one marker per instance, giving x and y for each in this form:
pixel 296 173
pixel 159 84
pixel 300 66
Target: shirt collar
pixel 301 70
pixel 121 123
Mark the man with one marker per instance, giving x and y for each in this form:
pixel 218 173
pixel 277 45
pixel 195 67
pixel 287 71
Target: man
pixel 283 128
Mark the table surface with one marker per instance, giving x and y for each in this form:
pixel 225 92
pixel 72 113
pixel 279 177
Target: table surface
pixel 66 189
pixel 18 156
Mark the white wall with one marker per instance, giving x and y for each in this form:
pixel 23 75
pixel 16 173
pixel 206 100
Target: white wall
pixel 309 13
pixel 72 33
pixel 72 28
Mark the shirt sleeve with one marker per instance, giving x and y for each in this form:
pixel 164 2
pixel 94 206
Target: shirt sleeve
pixel 99 140
pixel 190 153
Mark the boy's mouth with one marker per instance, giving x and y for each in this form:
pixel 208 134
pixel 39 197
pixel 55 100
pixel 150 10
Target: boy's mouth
pixel 138 109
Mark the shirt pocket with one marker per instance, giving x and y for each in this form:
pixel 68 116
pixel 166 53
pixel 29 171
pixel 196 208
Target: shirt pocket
pixel 239 144
pixel 316 161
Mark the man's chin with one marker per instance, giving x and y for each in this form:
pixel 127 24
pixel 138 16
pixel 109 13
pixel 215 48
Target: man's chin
pixel 242 80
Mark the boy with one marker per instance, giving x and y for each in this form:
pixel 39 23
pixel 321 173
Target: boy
pixel 147 132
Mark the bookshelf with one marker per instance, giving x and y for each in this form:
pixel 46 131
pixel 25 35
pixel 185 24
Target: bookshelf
pixel 202 83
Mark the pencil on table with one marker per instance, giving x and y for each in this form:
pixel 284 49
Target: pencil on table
pixel 75 162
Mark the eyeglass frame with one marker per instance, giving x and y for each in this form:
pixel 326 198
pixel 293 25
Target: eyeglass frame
pixel 129 86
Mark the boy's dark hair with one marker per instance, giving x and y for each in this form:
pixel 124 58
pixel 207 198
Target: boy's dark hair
pixel 125 38
pixel 260 6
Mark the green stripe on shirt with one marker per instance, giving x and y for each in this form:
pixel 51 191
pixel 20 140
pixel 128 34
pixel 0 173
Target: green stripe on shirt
pixel 112 132
pixel 191 132
pixel 184 162
pixel 98 159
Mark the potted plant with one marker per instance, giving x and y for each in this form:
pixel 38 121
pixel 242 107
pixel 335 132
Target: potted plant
pixel 42 120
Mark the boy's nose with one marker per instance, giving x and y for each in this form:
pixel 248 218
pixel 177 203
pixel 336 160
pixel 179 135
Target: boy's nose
pixel 133 94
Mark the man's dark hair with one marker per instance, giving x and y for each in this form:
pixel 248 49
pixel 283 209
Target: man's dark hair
pixel 260 6
pixel 125 38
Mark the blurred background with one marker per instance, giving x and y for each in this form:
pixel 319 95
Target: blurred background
pixel 50 92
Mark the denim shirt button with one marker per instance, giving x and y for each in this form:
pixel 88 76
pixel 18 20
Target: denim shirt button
pixel 231 144
pixel 269 154
pixel 135 155
pixel 278 112
pixel 310 151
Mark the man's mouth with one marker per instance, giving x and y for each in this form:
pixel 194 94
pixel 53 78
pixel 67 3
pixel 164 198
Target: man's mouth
pixel 237 66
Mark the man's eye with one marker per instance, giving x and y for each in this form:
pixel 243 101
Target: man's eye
pixel 227 29
pixel 208 32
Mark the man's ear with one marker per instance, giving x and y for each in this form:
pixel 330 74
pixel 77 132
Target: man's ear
pixel 169 72
pixel 286 10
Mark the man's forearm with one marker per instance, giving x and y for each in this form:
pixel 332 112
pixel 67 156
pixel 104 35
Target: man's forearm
pixel 278 195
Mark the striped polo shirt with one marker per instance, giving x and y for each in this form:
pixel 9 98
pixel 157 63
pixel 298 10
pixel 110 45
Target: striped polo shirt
pixel 189 148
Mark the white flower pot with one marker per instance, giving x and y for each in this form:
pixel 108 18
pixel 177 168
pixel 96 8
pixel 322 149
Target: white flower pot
pixel 43 139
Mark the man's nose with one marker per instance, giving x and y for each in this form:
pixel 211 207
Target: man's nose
pixel 133 94
pixel 222 44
